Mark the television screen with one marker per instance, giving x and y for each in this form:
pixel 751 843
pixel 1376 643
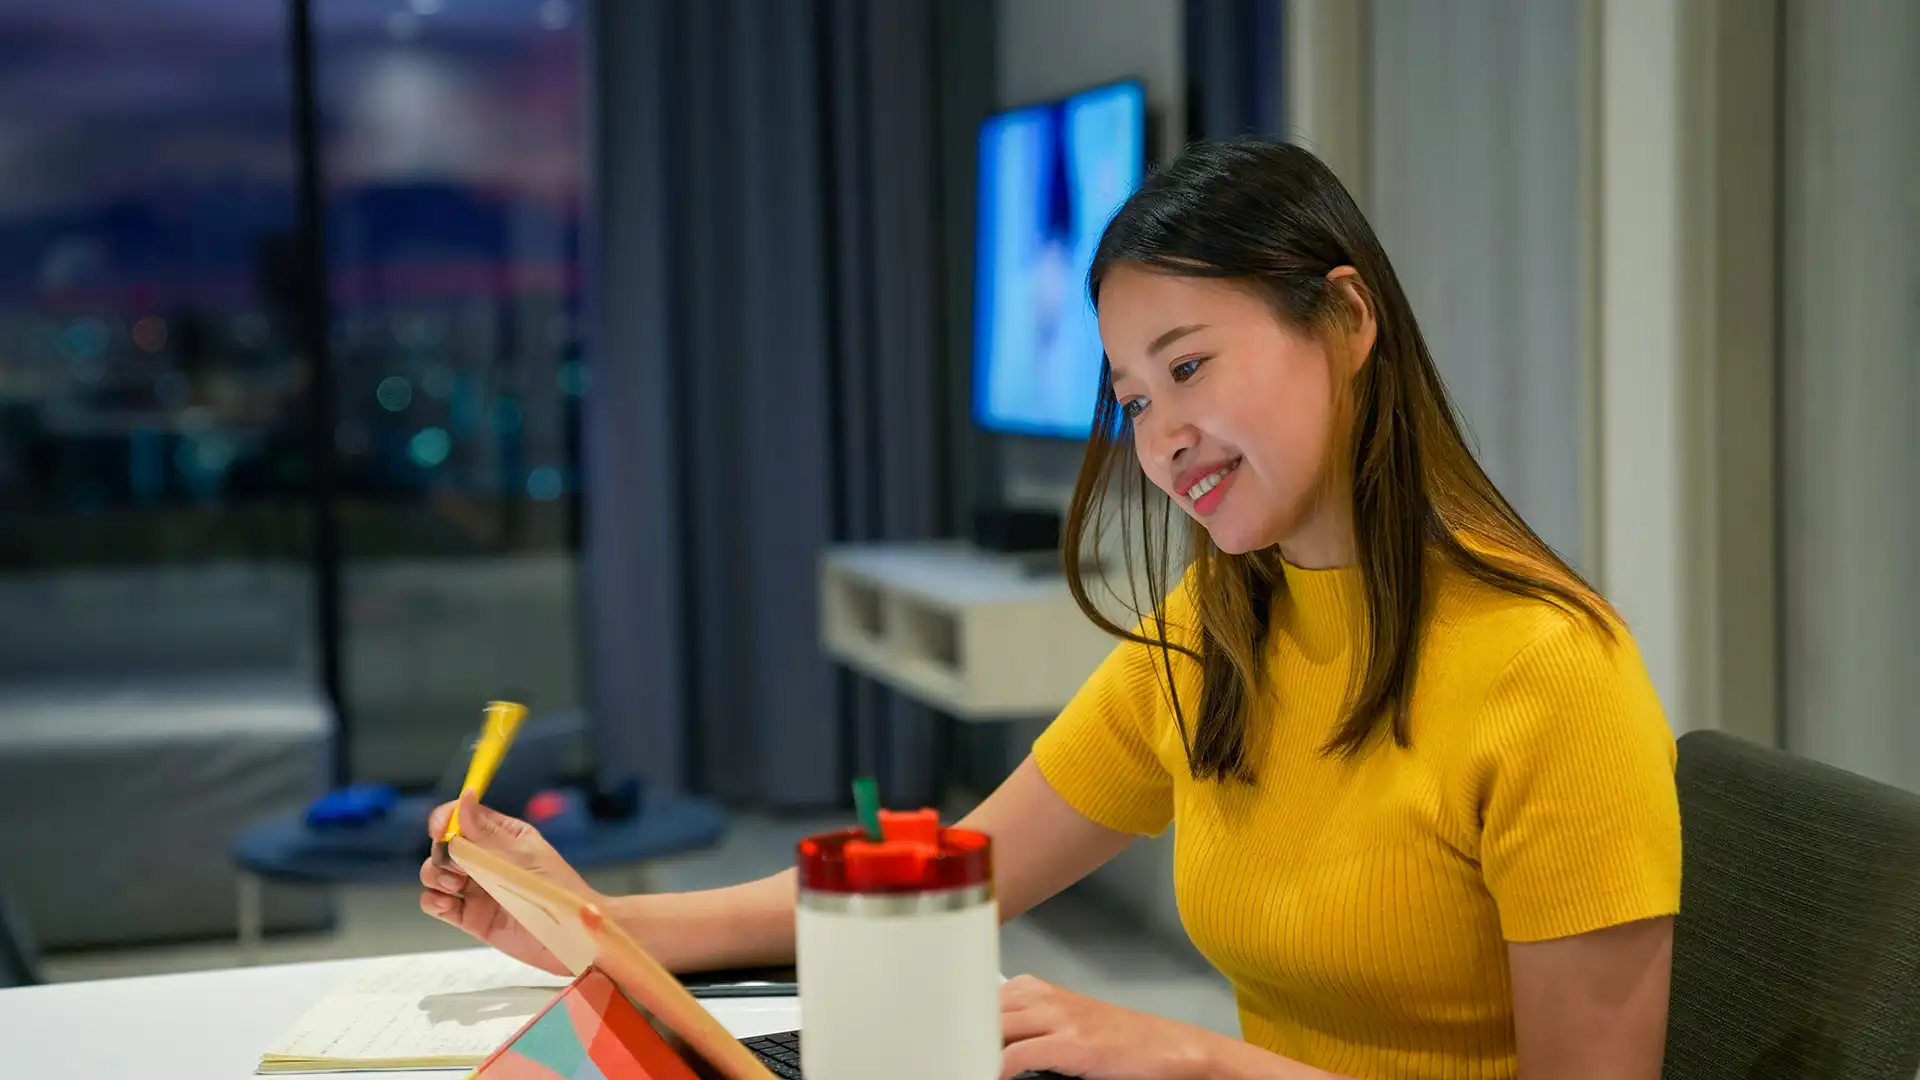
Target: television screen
pixel 1051 175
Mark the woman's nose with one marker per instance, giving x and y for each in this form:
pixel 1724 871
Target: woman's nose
pixel 1173 442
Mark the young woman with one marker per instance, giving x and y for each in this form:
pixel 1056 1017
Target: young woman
pixel 1421 787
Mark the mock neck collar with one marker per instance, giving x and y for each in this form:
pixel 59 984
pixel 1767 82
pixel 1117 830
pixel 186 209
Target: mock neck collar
pixel 1326 609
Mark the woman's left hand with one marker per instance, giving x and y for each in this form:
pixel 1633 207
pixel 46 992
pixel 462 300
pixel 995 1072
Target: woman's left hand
pixel 1046 1027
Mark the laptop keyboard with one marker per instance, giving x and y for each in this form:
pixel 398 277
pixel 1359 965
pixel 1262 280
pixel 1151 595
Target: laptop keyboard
pixel 780 1052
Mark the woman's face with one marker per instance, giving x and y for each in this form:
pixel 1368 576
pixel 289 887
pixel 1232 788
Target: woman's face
pixel 1232 410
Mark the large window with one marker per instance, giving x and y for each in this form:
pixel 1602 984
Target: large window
pixel 152 406
pixel 156 435
pixel 451 135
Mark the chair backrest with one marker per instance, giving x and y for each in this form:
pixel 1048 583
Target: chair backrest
pixel 19 955
pixel 1797 948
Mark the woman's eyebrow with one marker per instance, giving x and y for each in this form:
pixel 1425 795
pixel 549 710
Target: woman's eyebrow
pixel 1160 343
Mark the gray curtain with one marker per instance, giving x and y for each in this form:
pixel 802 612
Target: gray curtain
pixel 770 364
pixel 1236 80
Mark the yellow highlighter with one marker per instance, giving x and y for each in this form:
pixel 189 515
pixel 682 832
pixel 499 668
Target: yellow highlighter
pixel 502 724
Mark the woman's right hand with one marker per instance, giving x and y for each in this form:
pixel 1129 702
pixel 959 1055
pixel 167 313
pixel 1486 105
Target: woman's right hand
pixel 453 897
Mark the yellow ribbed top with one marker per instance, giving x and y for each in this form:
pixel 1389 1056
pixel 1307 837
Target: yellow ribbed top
pixel 1362 907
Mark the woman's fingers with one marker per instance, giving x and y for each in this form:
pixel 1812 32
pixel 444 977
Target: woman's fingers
pixel 441 906
pixel 442 879
pixel 476 914
pixel 437 821
pixel 486 826
pixel 1034 1055
pixel 1022 1024
pixel 1023 990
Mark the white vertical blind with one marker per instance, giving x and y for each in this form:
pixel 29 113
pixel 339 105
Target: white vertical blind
pixel 1475 190
pixel 1851 387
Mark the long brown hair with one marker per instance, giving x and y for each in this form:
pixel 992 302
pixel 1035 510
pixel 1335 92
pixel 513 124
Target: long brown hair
pixel 1274 218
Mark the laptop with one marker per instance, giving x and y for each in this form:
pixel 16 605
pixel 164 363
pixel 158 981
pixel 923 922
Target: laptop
pixel 780 1053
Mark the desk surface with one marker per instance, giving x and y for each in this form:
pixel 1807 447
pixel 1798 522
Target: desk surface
pixel 212 1025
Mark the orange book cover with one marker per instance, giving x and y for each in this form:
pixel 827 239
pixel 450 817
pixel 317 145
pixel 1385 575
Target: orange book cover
pixel 590 1032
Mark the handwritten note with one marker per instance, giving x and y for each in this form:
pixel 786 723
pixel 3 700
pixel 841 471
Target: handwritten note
pixel 437 1011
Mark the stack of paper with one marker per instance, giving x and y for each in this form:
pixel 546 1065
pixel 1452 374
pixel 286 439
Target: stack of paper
pixel 441 1011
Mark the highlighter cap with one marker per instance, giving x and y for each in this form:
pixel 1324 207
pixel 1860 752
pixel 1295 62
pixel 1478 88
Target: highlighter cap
pixel 916 855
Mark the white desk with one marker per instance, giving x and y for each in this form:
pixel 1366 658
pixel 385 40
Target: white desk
pixel 213 1025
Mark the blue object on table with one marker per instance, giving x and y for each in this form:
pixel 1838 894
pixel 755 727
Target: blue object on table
pixel 359 837
pixel 391 849
pixel 356 804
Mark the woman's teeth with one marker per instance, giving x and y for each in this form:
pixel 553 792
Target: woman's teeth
pixel 1209 482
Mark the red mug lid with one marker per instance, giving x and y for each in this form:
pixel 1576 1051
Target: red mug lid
pixel 916 855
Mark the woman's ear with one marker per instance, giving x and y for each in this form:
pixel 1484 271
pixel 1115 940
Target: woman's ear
pixel 1361 327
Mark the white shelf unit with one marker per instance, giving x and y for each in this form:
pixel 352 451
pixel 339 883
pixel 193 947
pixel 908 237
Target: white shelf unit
pixel 977 635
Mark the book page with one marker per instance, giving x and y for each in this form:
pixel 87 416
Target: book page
pixel 457 1005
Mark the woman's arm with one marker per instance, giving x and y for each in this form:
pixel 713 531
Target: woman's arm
pixel 1589 1006
pixel 1594 1005
pixel 1040 846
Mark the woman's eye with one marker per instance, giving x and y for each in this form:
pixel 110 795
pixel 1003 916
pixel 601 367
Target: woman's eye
pixel 1185 369
pixel 1132 406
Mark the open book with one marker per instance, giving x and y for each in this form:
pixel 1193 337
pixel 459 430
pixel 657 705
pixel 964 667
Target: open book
pixel 460 1009
pixel 446 1010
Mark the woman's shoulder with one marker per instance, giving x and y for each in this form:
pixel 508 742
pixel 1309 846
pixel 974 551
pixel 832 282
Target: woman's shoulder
pixel 1484 633
pixel 1493 591
pixel 1527 700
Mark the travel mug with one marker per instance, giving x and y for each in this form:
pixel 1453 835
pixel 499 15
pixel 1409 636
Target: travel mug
pixel 898 953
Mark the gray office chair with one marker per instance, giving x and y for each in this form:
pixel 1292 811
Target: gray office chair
pixel 19 956
pixel 1797 949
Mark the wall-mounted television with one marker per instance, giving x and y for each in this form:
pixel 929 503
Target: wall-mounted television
pixel 1051 176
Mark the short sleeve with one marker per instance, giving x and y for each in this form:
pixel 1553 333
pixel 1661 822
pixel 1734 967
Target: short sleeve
pixel 1580 821
pixel 1102 753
